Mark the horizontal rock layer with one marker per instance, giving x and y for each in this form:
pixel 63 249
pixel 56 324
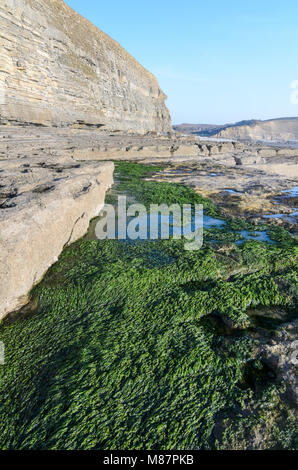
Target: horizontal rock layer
pixel 56 68
pixel 45 206
pixel 281 130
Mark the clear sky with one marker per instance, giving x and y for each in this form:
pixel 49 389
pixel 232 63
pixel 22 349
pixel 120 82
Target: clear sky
pixel 218 61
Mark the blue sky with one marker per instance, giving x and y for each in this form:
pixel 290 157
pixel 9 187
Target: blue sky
pixel 218 61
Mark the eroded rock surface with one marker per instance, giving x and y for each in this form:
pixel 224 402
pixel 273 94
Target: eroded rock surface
pixel 243 183
pixel 56 68
pixel 45 204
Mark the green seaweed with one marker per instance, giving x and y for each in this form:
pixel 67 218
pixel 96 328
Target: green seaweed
pixel 153 192
pixel 120 353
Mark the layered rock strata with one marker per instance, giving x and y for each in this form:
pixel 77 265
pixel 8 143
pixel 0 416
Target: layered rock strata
pixel 84 144
pixel 278 130
pixel 281 130
pixel 56 68
pixel 45 205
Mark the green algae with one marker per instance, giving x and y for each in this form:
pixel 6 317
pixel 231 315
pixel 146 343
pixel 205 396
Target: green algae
pixel 152 192
pixel 121 354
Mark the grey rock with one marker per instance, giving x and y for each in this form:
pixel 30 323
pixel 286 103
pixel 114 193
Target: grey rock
pixel 56 68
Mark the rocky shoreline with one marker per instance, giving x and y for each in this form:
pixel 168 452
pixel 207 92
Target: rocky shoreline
pixel 54 180
pixel 46 203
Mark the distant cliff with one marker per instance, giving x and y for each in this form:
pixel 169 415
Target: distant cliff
pixel 56 68
pixel 282 130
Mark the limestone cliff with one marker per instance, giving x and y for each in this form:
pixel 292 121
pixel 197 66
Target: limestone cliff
pixel 281 130
pixel 56 68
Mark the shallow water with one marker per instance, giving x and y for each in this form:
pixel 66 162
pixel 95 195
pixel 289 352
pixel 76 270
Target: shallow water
pixel 292 217
pixel 213 222
pixel 163 223
pixel 232 191
pixel 167 225
pixel 212 175
pixel 289 217
pixel 257 236
pixel 291 192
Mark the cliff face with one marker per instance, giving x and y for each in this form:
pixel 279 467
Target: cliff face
pixel 281 130
pixel 56 68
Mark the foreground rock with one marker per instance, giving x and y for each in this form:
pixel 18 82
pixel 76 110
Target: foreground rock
pixel 45 206
pixel 59 69
pixel 252 191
